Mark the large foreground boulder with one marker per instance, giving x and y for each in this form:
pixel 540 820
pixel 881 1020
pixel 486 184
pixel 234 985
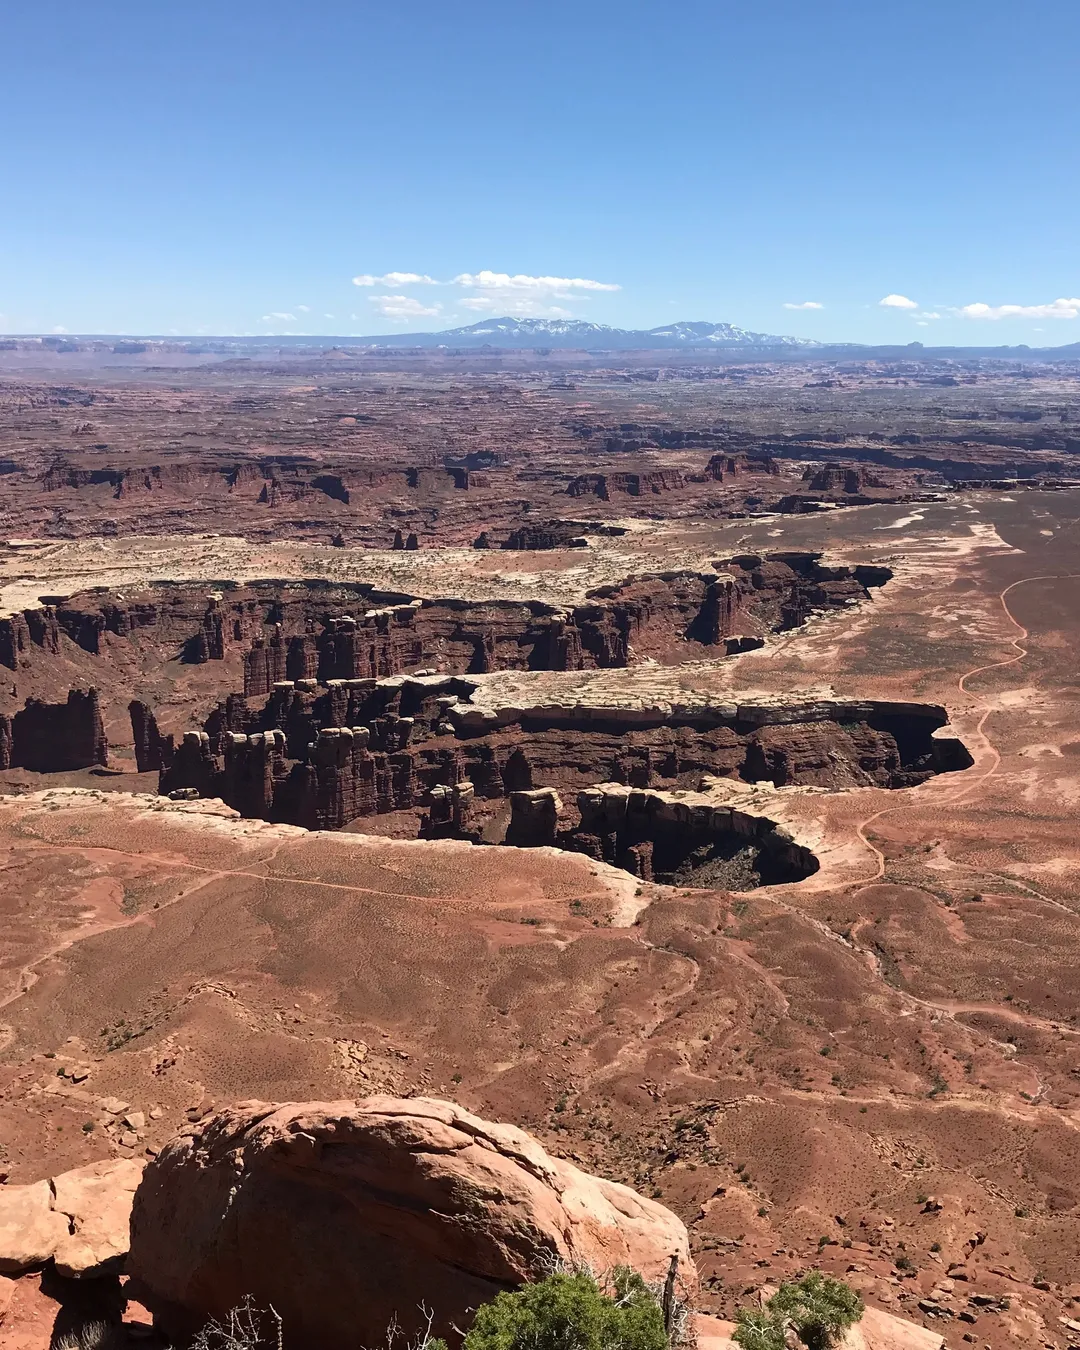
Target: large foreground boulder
pixel 79 1220
pixel 346 1215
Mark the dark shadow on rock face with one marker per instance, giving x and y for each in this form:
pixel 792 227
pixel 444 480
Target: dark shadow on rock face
pixel 86 1306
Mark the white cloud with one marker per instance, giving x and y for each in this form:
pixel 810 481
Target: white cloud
pixel 898 302
pixel 526 296
pixel 328 316
pixel 493 293
pixel 59 328
pixel 1056 309
pixel 287 318
pixel 304 309
pixel 928 314
pixel 805 304
pixel 501 302
pixel 403 307
pixel 394 279
pixel 503 281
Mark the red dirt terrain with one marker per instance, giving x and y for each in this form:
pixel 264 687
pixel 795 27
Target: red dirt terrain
pixel 874 1068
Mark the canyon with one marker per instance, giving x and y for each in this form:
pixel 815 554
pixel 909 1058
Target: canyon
pixel 675 760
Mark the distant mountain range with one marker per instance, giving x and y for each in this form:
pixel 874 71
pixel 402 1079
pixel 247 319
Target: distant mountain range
pixel 578 333
pixel 565 334
pixel 726 340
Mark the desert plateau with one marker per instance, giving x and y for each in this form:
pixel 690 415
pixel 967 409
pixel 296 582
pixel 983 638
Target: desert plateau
pixel 680 762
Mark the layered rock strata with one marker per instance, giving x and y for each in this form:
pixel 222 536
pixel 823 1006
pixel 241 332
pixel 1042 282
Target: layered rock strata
pixel 153 751
pixel 322 756
pixel 55 737
pixel 658 837
pixel 323 630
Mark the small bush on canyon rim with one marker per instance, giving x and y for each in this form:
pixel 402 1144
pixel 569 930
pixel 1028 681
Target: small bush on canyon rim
pixel 568 1310
pixel 816 1308
pixel 572 1312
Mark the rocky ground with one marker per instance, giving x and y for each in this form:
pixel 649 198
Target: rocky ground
pixel 875 1069
pixel 345 454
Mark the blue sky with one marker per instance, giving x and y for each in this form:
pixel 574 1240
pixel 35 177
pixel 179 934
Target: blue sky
pixel 212 167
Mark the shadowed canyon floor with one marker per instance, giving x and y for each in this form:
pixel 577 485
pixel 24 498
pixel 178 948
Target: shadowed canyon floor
pixel 876 1069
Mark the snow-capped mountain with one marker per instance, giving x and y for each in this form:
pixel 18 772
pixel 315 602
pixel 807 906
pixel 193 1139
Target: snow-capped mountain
pixel 533 328
pixel 724 334
pixel 514 332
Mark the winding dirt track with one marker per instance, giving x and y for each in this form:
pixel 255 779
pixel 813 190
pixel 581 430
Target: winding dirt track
pixel 945 1008
pixel 961 685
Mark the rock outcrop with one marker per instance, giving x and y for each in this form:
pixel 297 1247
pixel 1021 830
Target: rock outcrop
pixel 345 1215
pixel 721 467
pixel 295 633
pixel 95 1202
pixel 686 840
pixel 834 477
pixel 79 1220
pixel 534 818
pixel 30 1229
pixel 607 485
pixel 20 633
pixel 153 751
pixel 329 630
pixel 322 756
pixel 55 737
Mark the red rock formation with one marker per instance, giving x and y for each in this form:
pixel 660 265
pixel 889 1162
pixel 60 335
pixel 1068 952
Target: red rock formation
pixel 56 737
pixel 657 837
pixel 723 466
pixel 823 754
pixel 551 534
pixel 20 632
pixel 534 818
pixel 606 485
pixel 254 766
pixel 193 768
pixel 153 752
pixel 449 813
pixel 361 747
pixel 838 478
pixel 351 631
pixel 265 663
pixel 346 1216
pixel 481 637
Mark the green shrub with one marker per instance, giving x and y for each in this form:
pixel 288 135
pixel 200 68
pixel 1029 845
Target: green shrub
pixel 816 1308
pixel 571 1312
pixel 756 1329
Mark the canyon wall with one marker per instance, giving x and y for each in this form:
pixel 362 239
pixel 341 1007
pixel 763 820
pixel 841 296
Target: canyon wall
pixel 321 756
pixel 324 630
pixel 55 737
pixel 643 616
pixel 657 837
